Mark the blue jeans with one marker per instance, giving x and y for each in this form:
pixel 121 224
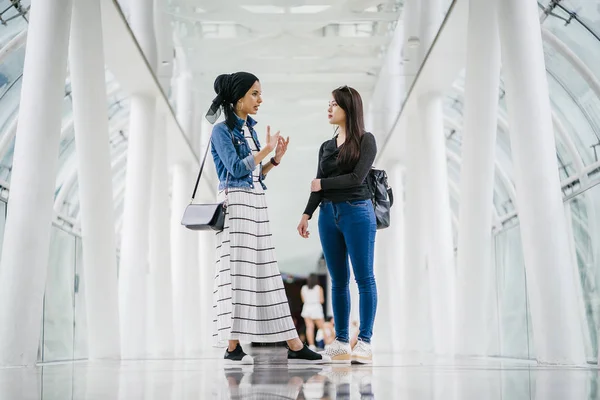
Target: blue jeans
pixel 348 229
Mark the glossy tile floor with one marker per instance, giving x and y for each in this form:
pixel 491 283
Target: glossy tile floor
pixel 391 377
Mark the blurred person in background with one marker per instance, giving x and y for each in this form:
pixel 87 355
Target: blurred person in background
pixel 312 311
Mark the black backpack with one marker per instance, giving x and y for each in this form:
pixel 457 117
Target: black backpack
pixel 381 195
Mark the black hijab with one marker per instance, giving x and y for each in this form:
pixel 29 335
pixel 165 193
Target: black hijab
pixel 229 88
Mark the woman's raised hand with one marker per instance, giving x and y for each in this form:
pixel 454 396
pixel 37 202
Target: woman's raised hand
pixel 281 148
pixel 272 140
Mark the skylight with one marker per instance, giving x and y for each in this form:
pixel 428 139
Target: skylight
pixel 264 9
pixel 308 9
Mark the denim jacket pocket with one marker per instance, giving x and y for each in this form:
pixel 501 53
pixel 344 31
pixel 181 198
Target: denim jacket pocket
pixel 241 147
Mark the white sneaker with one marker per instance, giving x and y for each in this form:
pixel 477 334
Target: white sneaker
pixel 362 353
pixel 339 352
pixel 313 347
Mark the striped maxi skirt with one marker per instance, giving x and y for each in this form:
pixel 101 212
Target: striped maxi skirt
pixel 249 300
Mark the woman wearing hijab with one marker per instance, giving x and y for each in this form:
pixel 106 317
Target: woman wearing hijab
pixel 249 302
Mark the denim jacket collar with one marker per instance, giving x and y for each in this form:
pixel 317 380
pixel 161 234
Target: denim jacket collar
pixel 240 122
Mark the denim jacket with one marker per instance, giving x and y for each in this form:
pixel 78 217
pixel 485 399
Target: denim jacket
pixel 233 158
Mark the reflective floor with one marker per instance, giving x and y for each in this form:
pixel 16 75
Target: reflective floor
pixel 390 377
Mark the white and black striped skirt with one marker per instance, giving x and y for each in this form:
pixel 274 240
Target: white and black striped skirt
pixel 249 300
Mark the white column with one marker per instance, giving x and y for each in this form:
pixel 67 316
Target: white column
pixel 160 295
pixel 184 261
pixel 164 44
pixel 136 212
pixel 185 107
pixel 389 266
pixel 382 329
pixel 179 199
pixel 414 311
pixel 95 179
pixel 430 19
pixel 354 303
pixel 207 243
pixel 192 293
pixel 26 244
pixel 328 301
pixel 477 177
pixel 395 257
pixel 142 24
pixel 188 246
pixel 134 265
pixel 550 284
pixel 440 249
pixel 206 247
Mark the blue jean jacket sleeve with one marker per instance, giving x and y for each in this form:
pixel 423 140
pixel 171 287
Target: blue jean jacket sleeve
pixel 237 167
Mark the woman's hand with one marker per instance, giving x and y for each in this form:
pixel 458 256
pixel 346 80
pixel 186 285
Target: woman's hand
pixel 271 140
pixel 303 227
pixel 281 149
pixel 315 185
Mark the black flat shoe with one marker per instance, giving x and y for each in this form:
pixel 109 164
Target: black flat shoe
pixel 237 357
pixel 306 356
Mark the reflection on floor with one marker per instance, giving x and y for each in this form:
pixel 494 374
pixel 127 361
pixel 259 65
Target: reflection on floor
pixel 390 377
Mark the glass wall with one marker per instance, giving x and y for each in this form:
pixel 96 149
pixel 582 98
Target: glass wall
pixel 511 294
pixel 584 210
pixel 516 339
pixel 64 334
pixel 59 298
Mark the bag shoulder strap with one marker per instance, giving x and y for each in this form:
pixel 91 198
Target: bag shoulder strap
pixel 204 161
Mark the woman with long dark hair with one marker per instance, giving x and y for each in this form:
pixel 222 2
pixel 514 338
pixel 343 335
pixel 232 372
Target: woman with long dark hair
pixel 312 310
pixel 249 302
pixel 347 222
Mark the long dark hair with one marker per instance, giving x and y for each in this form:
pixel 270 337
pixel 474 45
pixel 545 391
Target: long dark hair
pixel 350 101
pixel 312 281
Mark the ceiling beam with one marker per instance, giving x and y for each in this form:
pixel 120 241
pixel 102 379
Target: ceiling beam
pixel 306 82
pixel 289 65
pixel 252 20
pixel 211 4
pixel 283 41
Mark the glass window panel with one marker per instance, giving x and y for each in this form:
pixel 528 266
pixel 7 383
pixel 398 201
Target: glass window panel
pixel 453 106
pixel 11 69
pixel 503 151
pixel 512 294
pixel 585 209
pixel 453 176
pixel 502 201
pixel 577 38
pixel 569 83
pixel 6 164
pixel 453 172
pixel 10 96
pixel 587 11
pixel 573 119
pixel 14 21
pixel 453 139
pixel 58 299
pixel 80 346
pixel 2 223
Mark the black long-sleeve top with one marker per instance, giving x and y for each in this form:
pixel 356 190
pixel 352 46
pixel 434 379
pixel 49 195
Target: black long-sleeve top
pixel 338 185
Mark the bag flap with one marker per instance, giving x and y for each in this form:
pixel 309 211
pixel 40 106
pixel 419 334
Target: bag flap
pixel 199 214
